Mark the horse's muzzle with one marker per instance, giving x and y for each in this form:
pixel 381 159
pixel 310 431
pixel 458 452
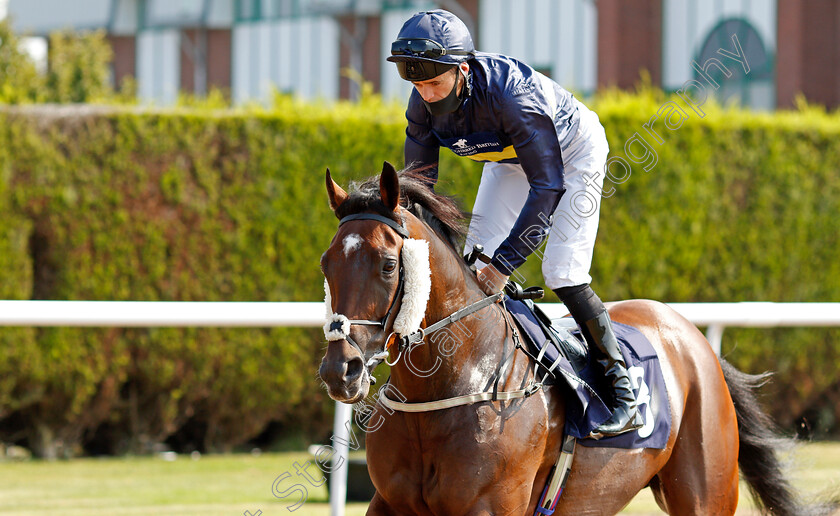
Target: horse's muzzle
pixel 344 373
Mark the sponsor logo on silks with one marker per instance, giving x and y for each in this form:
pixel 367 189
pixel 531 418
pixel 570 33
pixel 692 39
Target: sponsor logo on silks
pixel 484 146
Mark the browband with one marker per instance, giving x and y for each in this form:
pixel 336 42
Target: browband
pixel 379 218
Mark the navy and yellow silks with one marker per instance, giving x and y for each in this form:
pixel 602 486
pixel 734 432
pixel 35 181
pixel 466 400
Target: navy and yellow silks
pixel 509 114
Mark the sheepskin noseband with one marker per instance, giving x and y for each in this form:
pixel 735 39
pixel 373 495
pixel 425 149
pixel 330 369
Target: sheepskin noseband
pixel 416 291
pixel 418 286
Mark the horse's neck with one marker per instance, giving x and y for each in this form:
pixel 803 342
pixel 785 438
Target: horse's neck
pixel 462 355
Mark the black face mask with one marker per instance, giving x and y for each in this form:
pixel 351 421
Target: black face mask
pixel 447 104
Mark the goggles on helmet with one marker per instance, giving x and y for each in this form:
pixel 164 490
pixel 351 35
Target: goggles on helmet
pixel 426 48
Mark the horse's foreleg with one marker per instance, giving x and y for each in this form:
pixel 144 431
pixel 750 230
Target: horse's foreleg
pixel 507 506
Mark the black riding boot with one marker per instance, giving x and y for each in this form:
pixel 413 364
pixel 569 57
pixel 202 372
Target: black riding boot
pixel 589 312
pixel 602 341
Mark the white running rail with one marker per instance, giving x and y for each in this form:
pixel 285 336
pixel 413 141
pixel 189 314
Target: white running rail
pixel 714 316
pixel 129 314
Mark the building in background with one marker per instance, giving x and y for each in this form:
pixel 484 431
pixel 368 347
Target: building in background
pixel 306 47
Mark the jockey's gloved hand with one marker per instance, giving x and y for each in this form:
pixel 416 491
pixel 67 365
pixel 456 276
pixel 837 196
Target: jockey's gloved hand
pixel 491 280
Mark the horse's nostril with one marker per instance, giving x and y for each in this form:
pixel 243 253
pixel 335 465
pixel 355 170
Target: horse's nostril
pixel 354 369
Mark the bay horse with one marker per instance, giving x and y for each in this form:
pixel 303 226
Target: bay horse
pixel 494 457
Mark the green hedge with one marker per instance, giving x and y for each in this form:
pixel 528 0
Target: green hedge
pixel 130 204
pixel 741 207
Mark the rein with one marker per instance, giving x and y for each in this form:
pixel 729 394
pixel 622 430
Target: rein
pixel 415 337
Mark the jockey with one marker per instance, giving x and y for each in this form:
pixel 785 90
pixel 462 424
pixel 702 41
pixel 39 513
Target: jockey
pixel 537 142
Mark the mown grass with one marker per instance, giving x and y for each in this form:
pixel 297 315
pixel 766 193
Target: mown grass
pixel 241 483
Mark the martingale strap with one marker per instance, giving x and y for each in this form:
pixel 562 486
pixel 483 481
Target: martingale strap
pixel 457 401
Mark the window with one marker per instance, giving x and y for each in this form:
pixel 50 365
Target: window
pixel 752 89
pixel 174 13
pixel 247 10
pixel 273 9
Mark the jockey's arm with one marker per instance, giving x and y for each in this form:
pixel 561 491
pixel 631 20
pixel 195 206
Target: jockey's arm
pixel 538 151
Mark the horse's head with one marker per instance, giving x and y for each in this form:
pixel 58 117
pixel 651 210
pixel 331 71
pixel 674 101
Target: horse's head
pixel 377 284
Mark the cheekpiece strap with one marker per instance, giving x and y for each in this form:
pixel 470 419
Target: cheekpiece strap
pixel 379 218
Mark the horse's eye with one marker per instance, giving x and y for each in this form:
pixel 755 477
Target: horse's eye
pixel 390 266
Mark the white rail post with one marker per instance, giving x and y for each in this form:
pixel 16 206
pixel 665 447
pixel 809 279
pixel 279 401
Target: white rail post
pixel 714 334
pixel 338 475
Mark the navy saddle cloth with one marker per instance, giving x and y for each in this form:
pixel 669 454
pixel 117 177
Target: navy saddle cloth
pixel 558 343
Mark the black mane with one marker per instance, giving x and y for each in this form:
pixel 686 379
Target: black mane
pixel 440 212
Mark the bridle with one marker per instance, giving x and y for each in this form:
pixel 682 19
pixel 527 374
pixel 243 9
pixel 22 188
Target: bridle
pixel 338 327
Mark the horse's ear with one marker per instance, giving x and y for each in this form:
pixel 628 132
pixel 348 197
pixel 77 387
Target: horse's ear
pixel 336 193
pixel 389 186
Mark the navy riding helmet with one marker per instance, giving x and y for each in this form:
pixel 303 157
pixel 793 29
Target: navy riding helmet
pixel 429 44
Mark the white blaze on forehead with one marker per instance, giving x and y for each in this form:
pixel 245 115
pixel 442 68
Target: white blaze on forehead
pixel 351 243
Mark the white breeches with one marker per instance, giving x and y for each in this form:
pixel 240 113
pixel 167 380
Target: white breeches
pixel 567 254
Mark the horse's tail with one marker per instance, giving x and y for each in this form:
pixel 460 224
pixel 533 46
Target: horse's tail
pixel 757 454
